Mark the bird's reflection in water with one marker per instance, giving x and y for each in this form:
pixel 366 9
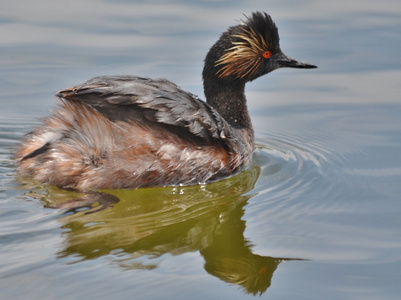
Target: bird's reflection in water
pixel 151 222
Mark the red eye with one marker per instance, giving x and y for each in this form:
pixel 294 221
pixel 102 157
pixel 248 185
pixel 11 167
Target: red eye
pixel 267 54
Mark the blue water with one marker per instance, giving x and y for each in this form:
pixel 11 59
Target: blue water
pixel 316 216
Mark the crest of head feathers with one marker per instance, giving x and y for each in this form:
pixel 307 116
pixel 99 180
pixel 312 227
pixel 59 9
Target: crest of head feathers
pixel 253 41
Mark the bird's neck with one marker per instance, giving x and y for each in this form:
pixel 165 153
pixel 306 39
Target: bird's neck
pixel 229 101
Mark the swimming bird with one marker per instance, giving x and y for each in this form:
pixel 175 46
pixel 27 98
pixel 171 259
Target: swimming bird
pixel 115 132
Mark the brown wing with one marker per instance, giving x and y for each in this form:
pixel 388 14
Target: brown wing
pixel 159 100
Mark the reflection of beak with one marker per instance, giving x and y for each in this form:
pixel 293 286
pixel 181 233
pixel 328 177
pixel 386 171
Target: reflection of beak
pixel 286 62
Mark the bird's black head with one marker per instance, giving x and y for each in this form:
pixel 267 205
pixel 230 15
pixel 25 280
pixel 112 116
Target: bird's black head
pixel 248 51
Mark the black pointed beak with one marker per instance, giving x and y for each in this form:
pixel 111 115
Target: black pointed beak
pixel 287 62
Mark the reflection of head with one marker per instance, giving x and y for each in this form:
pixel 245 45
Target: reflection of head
pixel 230 257
pixel 252 272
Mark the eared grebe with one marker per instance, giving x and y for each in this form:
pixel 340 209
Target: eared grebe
pixel 115 132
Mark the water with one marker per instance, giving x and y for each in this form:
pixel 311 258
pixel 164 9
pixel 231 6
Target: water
pixel 315 217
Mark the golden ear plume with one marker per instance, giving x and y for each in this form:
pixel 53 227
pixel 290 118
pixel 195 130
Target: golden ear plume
pixel 245 57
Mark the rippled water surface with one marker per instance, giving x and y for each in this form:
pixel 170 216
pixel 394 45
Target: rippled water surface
pixel 316 216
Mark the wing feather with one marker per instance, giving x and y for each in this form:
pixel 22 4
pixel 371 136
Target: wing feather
pixel 157 100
